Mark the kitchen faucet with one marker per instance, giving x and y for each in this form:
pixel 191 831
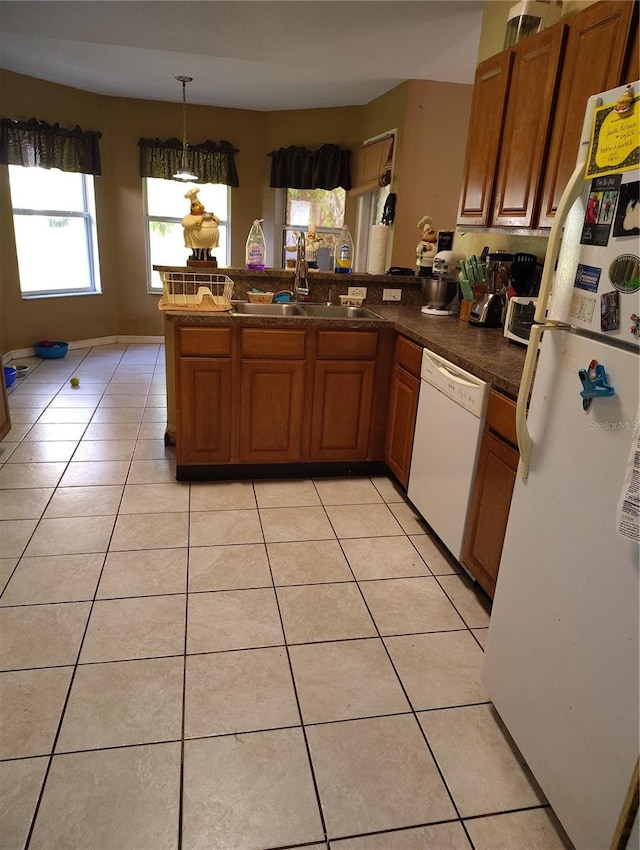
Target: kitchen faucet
pixel 301 280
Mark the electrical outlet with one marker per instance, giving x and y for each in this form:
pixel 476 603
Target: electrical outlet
pixel 357 291
pixel 391 294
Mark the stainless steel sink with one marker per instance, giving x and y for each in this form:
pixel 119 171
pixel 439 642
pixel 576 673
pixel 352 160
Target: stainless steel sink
pixel 284 309
pixel 326 311
pixel 297 310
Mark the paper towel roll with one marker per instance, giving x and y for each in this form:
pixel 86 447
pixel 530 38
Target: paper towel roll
pixel 378 242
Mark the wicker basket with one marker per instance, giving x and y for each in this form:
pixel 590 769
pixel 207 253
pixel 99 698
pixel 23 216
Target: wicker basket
pixel 260 297
pixel 200 292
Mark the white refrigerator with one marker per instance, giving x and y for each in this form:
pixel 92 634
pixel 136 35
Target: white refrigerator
pixel 562 656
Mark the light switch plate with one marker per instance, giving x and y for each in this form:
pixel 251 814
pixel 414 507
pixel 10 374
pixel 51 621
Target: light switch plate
pixel 357 291
pixel 391 294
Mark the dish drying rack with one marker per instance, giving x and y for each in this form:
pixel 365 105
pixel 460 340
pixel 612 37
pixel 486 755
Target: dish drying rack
pixel 200 292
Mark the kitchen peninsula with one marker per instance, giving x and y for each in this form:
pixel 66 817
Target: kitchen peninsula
pixel 256 390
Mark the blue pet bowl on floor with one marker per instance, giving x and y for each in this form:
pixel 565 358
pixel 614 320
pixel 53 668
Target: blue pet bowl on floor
pixel 9 375
pixel 50 350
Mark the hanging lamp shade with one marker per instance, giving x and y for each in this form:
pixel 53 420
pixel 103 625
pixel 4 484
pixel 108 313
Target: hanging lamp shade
pixel 184 173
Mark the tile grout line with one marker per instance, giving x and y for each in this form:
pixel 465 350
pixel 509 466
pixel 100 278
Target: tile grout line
pixel 70 686
pixel 409 702
pixel 293 681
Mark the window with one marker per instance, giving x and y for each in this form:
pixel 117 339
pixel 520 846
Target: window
pixel 319 209
pixel 55 230
pixel 166 206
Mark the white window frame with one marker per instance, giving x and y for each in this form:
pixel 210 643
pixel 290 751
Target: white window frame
pixel 88 215
pixel 282 227
pixel 226 223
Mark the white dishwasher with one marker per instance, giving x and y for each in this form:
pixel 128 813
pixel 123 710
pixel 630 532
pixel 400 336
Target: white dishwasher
pixel 451 411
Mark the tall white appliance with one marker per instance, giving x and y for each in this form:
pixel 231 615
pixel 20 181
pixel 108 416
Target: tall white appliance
pixel 562 656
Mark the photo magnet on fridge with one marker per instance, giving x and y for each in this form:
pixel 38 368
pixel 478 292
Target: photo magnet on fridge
pixel 627 220
pixel 610 311
pixel 601 206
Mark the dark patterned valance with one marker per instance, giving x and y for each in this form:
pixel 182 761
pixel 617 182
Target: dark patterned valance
pixel 213 162
pixel 298 168
pixel 38 144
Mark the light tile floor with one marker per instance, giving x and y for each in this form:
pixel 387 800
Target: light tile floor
pixel 238 665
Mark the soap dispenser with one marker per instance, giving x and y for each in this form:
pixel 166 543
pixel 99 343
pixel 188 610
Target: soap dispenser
pixel 256 248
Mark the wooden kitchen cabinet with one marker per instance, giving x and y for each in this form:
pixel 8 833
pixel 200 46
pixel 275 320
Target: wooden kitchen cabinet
pixel 403 407
pixel 527 122
pixel 343 395
pixel 527 113
pixel 272 378
pixel 204 410
pixel 271 411
pixel 280 395
pixel 485 130
pixel 491 495
pixel 203 395
pixel 594 61
pixel 342 398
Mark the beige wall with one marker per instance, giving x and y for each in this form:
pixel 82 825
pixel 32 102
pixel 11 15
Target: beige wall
pixel 124 307
pixel 430 162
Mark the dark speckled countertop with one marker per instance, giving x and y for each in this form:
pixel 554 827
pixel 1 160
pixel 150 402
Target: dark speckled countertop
pixel 482 351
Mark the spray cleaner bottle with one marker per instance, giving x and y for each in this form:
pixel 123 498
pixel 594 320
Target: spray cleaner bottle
pixel 256 249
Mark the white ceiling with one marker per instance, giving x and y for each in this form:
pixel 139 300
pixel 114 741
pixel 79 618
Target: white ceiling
pixel 247 54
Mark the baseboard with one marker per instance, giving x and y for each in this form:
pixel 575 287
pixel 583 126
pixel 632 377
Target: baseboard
pixel 16 353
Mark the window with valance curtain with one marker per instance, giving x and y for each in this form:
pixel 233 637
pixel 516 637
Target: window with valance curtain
pixel 37 144
pixel 298 168
pixel 213 162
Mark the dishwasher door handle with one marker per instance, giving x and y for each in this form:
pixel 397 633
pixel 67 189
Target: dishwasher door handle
pixel 449 371
pixel 455 376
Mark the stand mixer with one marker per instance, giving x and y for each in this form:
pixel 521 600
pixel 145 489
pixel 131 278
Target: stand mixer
pixel 441 288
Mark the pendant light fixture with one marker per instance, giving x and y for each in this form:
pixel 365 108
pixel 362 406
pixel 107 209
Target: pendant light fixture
pixel 184 173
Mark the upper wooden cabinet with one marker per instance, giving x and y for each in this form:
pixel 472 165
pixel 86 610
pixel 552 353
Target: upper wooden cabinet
pixel 485 130
pixel 594 61
pixel 526 127
pixel 527 113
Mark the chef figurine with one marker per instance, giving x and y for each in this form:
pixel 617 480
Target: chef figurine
pixel 312 243
pixel 427 248
pixel 200 229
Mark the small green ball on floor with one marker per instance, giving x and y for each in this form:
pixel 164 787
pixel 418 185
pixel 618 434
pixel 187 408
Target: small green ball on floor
pixel 75 382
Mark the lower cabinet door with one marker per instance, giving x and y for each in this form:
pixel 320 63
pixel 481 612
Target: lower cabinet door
pixel 204 410
pixel 341 417
pixel 271 410
pixel 489 509
pixel 401 424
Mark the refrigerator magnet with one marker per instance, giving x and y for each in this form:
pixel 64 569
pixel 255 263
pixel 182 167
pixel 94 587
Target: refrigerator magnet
pixel 599 213
pixel 610 311
pixel 614 140
pixel 624 273
pixel 587 277
pixel 627 220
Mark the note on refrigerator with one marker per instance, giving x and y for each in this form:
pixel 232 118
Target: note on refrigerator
pixel 628 514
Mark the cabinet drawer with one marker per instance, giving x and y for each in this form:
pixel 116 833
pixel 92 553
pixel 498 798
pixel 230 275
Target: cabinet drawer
pixel 205 342
pixel 409 356
pixel 351 344
pixel 501 416
pixel 263 342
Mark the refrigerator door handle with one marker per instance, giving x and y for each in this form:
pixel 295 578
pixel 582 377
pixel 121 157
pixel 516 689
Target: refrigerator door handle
pixel 525 443
pixel 571 193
